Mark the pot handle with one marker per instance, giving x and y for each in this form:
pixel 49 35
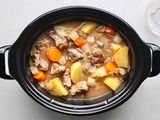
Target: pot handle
pixel 3 74
pixel 155 53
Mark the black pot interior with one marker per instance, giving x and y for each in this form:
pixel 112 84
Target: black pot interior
pixel 45 22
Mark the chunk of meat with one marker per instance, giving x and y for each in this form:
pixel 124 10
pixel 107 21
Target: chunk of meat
pixel 71 44
pixel 60 42
pixel 86 67
pixel 42 44
pixel 75 54
pixel 67 79
pixel 79 87
pixel 57 69
pixel 35 54
pixel 96 57
pixel 39 61
pixel 62 60
pixel 34 70
pixel 43 64
pixel 121 71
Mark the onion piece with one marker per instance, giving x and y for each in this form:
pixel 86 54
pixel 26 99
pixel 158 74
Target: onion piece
pixel 62 31
pixel 73 35
pixel 117 39
pixel 90 39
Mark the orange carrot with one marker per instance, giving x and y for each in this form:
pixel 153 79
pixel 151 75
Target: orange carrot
pixel 79 42
pixel 54 54
pixel 40 76
pixel 111 67
pixel 109 31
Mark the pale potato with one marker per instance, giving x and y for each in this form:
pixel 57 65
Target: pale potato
pixel 57 87
pixel 121 57
pixel 112 82
pixel 115 47
pixel 89 27
pixel 77 72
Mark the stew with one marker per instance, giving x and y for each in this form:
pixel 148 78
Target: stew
pixel 79 59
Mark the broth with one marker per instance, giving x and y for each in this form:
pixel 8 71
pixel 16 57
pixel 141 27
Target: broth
pixel 95 55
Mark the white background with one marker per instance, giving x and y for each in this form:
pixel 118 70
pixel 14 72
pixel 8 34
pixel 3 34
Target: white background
pixel 15 15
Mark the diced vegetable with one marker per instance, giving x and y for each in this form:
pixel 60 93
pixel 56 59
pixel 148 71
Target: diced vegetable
pixel 121 57
pixel 79 42
pixel 73 35
pixel 76 72
pixel 112 82
pixel 109 30
pixel 111 67
pixel 62 31
pixel 53 54
pixel 89 27
pixel 90 39
pixel 58 88
pixel 86 48
pixel 115 47
pixel 100 72
pixel 91 81
pixel 117 39
pixel 40 76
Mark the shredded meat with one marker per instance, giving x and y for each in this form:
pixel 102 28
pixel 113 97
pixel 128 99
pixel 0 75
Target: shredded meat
pixel 75 54
pixel 96 57
pixel 42 44
pixel 67 79
pixel 71 44
pixel 39 61
pixel 35 56
pixel 60 42
pixel 79 87
pixel 56 68
pixel 44 64
pixel 86 67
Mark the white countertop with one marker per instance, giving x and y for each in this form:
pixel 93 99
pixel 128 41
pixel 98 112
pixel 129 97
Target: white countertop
pixel 15 104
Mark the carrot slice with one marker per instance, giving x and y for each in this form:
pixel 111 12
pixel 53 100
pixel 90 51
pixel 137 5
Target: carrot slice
pixel 109 31
pixel 79 42
pixel 111 67
pixel 54 54
pixel 40 76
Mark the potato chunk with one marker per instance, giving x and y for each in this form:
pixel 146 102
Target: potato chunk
pixel 115 47
pixel 89 27
pixel 121 57
pixel 58 88
pixel 112 82
pixel 77 72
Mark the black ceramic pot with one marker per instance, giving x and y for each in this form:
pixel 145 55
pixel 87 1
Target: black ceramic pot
pixel 144 61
